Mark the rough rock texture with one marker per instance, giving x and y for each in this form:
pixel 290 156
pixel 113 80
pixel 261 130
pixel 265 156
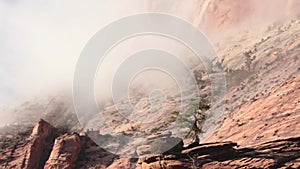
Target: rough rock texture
pixel 93 156
pixel 78 151
pixel 122 163
pixel 262 104
pixel 65 152
pixel 274 154
pixel 273 116
pixel 31 153
pixel 222 15
pixel 166 164
pixel 160 144
pixel 38 150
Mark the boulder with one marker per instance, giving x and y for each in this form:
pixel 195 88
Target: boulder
pixel 30 153
pixel 160 144
pixel 65 152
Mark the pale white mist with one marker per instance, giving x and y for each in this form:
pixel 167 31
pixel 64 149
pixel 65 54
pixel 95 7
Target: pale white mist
pixel 40 41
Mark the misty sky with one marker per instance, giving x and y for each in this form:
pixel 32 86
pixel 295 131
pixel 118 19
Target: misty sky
pixel 40 41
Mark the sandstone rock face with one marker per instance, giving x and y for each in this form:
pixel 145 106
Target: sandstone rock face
pixel 65 152
pixel 274 116
pixel 160 144
pixel 93 156
pixel 122 163
pixel 219 16
pixel 41 141
pixel 68 147
pixel 263 106
pixel 203 149
pixel 33 153
pixel 167 164
pixel 274 154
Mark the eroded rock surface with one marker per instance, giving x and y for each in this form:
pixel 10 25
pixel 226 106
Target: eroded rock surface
pixel 32 152
pixel 270 116
pixel 65 152
pixel 274 154
pixel 72 150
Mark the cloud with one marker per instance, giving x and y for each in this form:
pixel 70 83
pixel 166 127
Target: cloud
pixel 40 41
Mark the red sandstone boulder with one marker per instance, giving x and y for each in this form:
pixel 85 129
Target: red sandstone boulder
pixel 65 152
pixel 31 153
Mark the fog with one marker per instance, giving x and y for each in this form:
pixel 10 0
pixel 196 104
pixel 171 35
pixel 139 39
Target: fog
pixel 40 41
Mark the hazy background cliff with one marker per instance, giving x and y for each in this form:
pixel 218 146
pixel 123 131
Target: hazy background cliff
pixel 40 42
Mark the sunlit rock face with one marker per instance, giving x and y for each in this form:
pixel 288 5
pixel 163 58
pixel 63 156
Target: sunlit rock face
pixel 224 15
pixel 217 18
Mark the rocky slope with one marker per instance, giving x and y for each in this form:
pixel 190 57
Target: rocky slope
pixel 29 152
pixel 262 103
pixel 49 148
pixel 220 18
pixel 226 15
pixel 271 115
pixel 259 128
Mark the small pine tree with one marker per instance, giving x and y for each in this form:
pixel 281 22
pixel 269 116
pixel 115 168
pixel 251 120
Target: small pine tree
pixel 249 60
